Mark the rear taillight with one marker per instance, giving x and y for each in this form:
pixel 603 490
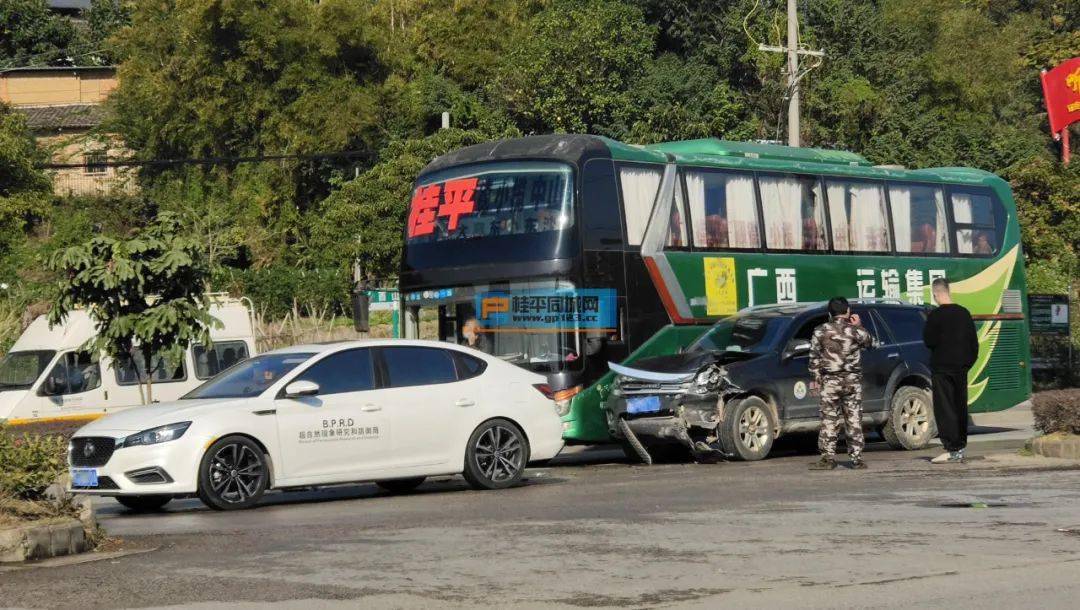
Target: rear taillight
pixel 545 389
pixel 560 397
pixel 567 394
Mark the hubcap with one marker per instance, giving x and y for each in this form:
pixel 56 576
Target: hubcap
pixel 754 429
pixel 235 473
pixel 499 453
pixel 914 418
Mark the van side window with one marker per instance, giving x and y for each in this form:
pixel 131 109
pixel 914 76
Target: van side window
pixel 220 356
pixel 723 209
pixel 164 369
pixel 75 372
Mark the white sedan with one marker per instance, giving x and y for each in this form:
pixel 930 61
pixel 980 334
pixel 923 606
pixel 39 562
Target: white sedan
pixel 390 411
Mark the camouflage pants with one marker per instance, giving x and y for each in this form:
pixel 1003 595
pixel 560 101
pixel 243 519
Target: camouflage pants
pixel 841 397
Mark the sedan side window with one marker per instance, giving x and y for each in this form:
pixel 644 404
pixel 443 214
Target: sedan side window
pixel 348 371
pixel 412 366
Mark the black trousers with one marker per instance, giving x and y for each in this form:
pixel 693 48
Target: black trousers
pixel 951 408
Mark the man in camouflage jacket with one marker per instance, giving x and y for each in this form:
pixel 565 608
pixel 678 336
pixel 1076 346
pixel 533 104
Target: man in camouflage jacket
pixel 835 365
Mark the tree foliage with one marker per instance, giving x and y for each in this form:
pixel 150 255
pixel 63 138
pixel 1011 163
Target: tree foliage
pixel 145 293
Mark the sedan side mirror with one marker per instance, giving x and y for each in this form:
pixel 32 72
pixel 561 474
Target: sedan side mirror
pixel 300 388
pixel 796 348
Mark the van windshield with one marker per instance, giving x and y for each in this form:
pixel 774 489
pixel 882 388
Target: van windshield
pixel 249 378
pixel 19 370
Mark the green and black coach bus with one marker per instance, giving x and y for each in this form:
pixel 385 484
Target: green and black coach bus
pixel 565 252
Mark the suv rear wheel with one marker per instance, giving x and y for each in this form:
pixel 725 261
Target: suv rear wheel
pixel 748 429
pixel 911 419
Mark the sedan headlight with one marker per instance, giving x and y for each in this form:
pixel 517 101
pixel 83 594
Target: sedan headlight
pixel 161 434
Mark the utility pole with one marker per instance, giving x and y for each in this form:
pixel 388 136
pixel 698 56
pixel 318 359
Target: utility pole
pixel 793 76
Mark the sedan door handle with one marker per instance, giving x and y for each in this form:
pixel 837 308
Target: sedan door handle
pixel 370 408
pixel 464 402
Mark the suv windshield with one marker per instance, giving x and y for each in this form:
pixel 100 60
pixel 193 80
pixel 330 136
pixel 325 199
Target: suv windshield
pixel 250 377
pixel 19 370
pixel 747 333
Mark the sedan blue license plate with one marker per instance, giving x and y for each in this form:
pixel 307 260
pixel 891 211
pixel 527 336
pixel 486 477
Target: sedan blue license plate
pixel 84 477
pixel 643 404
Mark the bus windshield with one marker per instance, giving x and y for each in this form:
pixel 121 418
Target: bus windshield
pixel 493 200
pixel 19 370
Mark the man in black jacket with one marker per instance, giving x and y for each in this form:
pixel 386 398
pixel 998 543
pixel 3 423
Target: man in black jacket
pixel 954 346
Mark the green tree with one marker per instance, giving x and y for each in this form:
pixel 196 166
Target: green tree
pixel 32 35
pixel 24 189
pixel 571 68
pixel 145 294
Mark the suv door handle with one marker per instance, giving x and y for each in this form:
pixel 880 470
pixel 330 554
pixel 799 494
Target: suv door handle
pixel 464 402
pixel 369 408
pixel 894 355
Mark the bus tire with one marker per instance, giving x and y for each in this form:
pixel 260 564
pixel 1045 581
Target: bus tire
pixel 911 422
pixel 748 430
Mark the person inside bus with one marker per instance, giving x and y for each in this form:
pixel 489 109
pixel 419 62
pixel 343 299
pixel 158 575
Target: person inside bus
pixel 982 244
pixel 475 339
pixel 925 239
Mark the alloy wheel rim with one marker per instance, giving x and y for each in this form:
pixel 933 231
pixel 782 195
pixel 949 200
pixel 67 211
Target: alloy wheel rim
pixel 498 454
pixel 754 428
pixel 914 418
pixel 235 473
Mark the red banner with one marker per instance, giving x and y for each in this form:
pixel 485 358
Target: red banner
pixel 1061 88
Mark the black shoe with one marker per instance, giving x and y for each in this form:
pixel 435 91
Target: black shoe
pixel 825 463
pixel 858 464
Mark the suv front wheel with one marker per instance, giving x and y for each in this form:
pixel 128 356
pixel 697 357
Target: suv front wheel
pixel 748 429
pixel 911 419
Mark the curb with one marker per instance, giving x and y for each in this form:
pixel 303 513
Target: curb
pixel 43 541
pixel 1059 445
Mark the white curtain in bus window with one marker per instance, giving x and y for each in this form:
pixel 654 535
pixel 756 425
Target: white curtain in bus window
pixel 974 218
pixel 919 218
pixel 794 215
pixel 857 212
pixel 723 210
pixel 639 186
pixel 677 227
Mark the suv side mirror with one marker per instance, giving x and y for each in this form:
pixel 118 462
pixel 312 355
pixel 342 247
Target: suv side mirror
pixel 796 348
pixel 301 388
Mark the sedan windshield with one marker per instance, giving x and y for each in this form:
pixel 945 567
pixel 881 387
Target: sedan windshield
pixel 250 377
pixel 752 333
pixel 19 370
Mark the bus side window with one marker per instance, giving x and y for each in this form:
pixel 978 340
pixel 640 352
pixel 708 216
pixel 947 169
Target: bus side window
pixel 857 213
pixel 977 223
pixel 639 186
pixel 599 206
pixel 919 218
pixel 794 212
pixel 723 209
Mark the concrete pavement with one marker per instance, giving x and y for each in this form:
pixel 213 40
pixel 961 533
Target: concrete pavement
pixel 591 530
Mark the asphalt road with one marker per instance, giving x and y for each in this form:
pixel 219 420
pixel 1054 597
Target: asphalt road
pixel 593 531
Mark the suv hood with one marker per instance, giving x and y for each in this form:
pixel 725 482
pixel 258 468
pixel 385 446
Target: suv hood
pixel 678 367
pixel 136 419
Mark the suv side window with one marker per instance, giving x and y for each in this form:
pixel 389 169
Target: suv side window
pixel 412 366
pixel 806 331
pixel 342 372
pixel 906 324
pixel 870 323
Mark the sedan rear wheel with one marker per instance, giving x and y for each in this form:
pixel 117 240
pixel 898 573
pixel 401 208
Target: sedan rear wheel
pixel 233 474
pixel 496 455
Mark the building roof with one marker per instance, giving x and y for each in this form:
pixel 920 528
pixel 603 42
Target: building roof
pixel 71 116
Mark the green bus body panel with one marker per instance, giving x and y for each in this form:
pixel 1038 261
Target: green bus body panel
pixel 586 418
pixel 714 146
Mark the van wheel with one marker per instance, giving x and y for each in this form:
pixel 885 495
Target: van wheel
pixel 748 430
pixel 401 486
pixel 143 504
pixel 911 422
pixel 233 474
pixel 496 455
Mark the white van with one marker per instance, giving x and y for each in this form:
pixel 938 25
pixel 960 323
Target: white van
pixel 47 377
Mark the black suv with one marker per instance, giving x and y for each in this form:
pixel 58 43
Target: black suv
pixel 745 382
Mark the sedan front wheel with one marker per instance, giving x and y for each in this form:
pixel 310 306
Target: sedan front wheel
pixel 233 474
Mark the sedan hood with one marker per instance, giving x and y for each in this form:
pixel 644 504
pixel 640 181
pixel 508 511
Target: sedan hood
pixel 676 367
pixel 136 419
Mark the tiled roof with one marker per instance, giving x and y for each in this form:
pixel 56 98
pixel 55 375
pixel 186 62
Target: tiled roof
pixel 72 116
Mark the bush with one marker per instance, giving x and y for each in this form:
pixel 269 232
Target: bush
pixel 274 290
pixel 30 463
pixel 1057 411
